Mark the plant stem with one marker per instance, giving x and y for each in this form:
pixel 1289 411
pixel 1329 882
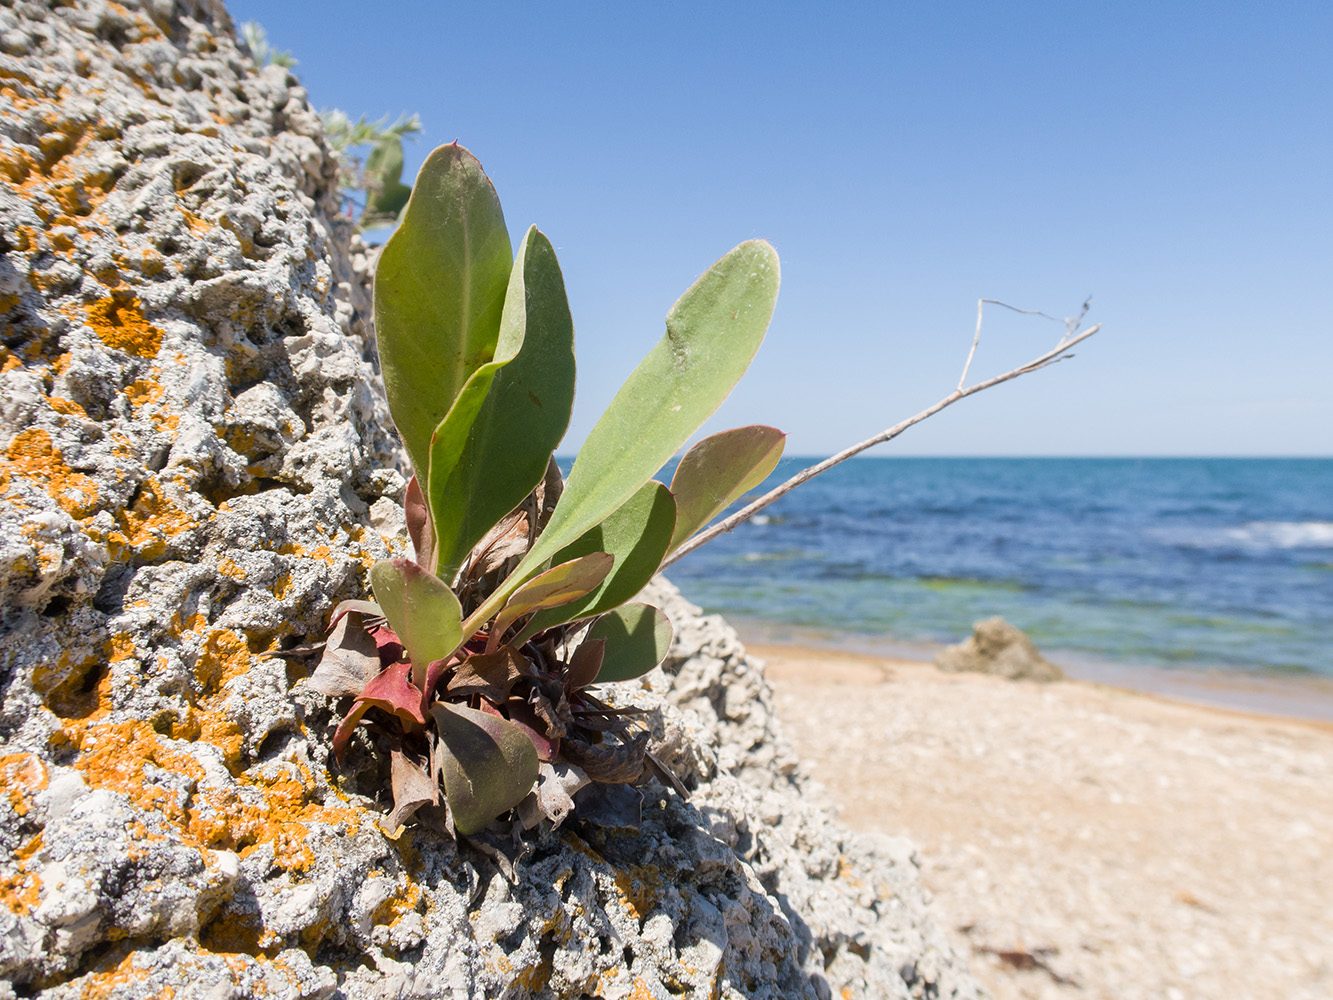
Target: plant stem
pixel 1057 353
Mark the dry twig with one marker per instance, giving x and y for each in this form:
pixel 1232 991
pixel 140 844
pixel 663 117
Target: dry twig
pixel 1071 337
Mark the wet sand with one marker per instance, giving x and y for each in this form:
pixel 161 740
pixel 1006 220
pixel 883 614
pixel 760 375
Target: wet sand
pixel 1083 840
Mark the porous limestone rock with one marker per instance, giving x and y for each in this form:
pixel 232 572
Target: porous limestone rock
pixel 996 647
pixel 197 463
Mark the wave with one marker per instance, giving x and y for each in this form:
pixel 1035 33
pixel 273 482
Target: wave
pixel 1255 535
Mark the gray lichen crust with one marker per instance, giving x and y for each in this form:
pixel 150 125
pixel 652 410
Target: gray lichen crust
pixel 196 463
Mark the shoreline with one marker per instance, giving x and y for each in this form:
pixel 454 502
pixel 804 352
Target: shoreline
pixel 1297 697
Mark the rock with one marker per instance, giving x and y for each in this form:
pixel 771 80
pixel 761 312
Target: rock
pixel 196 464
pixel 996 647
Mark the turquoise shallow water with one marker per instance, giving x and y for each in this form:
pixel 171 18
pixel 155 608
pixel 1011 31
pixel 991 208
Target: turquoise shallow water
pixel 1170 563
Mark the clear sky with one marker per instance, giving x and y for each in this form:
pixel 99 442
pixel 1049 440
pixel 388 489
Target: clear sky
pixel 1173 160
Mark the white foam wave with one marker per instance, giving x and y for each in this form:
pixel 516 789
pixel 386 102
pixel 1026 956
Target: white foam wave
pixel 1263 535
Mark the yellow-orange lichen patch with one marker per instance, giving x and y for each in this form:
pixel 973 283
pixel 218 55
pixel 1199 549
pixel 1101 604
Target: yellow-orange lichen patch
pixel 534 978
pixel 224 655
pixel 67 407
pixel 238 822
pixel 218 729
pixel 16 166
pixel 233 570
pixel 21 889
pixel 640 888
pixel 79 687
pixel 115 974
pixel 119 321
pixel 282 586
pixel 142 392
pixel 33 456
pixel 149 523
pixel 22 775
pixel 114 754
pixel 195 224
pixel 393 909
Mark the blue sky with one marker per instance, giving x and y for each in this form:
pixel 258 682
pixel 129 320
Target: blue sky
pixel 1172 160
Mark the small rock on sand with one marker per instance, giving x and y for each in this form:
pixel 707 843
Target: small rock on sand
pixel 996 647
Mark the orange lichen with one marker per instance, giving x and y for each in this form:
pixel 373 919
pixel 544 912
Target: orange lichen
pixel 20 889
pixel 114 754
pixel 149 523
pixel 231 569
pixel 115 971
pixel 119 321
pixel 22 775
pixel 393 909
pixel 237 821
pixel 235 934
pixel 640 888
pixel 141 392
pixel 33 456
pixel 196 225
pixel 534 978
pixel 67 407
pixel 224 655
pixel 80 688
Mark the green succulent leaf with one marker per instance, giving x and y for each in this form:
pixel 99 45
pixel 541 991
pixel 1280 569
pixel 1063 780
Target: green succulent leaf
pixel 386 194
pixel 570 580
pixel 637 639
pixel 439 290
pixel 487 763
pixel 717 471
pixel 422 611
pixel 712 333
pixel 493 447
pixel 637 534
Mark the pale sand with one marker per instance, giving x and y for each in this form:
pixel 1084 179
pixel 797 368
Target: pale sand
pixel 1084 841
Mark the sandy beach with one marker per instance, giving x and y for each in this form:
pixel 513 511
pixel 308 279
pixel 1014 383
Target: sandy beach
pixel 1083 840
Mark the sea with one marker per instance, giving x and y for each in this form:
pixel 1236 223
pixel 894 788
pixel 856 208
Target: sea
pixel 1164 568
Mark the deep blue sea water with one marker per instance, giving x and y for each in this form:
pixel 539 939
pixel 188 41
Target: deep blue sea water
pixel 1200 563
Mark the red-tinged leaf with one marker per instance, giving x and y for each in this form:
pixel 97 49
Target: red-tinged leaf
pixel 418 523
pixel 718 471
pixel 421 609
pixel 412 786
pixel 350 660
pixel 585 663
pixel 558 585
pixel 488 765
pixel 434 671
pixel 387 644
pixel 343 734
pixel 393 691
pixel 490 675
pixel 522 715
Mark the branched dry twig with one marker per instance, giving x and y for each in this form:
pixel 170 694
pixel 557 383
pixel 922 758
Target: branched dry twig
pixel 1071 337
